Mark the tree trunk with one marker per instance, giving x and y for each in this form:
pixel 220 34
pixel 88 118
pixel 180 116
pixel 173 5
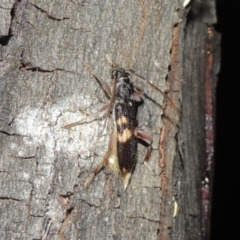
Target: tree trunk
pixel 44 85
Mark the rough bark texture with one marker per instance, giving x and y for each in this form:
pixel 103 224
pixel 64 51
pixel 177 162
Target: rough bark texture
pixel 44 86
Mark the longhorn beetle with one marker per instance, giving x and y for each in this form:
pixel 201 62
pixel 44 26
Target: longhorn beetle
pixel 124 102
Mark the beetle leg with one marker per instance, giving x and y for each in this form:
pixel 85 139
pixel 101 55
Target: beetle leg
pixel 149 140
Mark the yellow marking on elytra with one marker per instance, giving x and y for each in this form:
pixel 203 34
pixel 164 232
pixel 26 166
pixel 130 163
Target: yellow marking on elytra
pixel 136 132
pixel 111 160
pixel 122 120
pixel 124 136
pixel 126 179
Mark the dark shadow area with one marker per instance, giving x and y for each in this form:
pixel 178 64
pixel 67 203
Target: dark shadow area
pixel 225 223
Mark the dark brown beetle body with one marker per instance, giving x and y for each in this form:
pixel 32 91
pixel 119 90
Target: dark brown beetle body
pixel 125 111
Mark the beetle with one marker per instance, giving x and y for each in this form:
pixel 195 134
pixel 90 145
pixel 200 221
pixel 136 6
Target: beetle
pixel 124 102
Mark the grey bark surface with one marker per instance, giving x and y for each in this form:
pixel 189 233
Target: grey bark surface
pixel 44 85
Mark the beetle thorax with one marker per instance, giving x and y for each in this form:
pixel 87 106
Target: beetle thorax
pixel 124 87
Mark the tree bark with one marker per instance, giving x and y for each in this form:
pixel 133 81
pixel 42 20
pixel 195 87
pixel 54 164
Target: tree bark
pixel 44 85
